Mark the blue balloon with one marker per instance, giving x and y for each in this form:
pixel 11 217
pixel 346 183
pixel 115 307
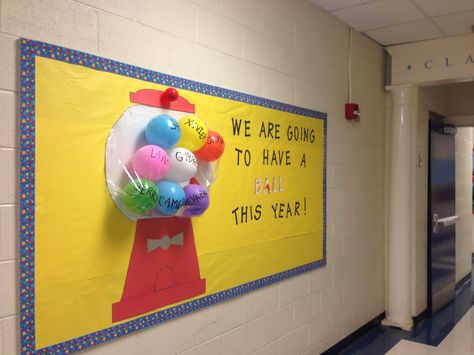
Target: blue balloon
pixel 163 131
pixel 171 197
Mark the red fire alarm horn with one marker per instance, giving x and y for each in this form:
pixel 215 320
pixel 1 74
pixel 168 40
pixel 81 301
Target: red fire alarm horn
pixel 352 111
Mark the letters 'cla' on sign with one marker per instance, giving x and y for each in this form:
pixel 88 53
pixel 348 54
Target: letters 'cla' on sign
pixel 80 257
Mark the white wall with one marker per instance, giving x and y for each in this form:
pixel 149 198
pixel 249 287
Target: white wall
pixel 463 202
pixel 461 103
pixel 461 99
pixel 285 50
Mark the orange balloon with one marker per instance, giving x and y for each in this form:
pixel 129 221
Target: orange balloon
pixel 213 148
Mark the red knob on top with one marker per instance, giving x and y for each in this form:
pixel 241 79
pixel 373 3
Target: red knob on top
pixel 171 94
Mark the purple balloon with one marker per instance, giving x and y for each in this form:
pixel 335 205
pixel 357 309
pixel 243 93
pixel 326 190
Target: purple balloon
pixel 196 200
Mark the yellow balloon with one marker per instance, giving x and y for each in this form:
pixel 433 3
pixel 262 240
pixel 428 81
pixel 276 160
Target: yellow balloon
pixel 193 133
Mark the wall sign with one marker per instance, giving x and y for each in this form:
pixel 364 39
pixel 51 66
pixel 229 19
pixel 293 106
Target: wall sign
pixel 88 272
pixel 432 61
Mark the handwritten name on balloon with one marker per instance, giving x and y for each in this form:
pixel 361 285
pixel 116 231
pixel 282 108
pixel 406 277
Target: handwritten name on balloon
pixel 170 172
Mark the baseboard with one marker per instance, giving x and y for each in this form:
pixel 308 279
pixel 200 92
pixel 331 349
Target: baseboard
pixel 463 283
pixel 417 319
pixel 354 336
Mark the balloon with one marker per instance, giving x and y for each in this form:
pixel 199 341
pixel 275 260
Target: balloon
pixel 163 131
pixel 183 165
pixel 171 197
pixel 193 133
pixel 150 162
pixel 140 196
pixel 197 200
pixel 213 148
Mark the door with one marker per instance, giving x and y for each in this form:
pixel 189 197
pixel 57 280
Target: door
pixel 441 215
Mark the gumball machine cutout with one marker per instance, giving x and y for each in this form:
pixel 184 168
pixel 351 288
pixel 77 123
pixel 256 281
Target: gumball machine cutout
pixel 164 266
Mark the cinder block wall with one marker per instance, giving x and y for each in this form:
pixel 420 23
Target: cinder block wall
pixel 285 50
pixel 460 104
pixel 464 202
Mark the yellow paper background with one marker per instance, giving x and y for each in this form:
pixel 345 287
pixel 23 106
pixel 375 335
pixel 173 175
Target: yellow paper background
pixel 83 243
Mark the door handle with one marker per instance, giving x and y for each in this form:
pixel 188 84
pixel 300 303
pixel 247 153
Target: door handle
pixel 444 222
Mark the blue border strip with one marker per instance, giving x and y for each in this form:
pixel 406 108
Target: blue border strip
pixel 27 197
pixel 29 50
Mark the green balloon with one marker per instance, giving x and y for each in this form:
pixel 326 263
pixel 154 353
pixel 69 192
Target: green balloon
pixel 141 196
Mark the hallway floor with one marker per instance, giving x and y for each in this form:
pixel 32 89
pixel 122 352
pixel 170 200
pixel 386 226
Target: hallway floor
pixel 450 331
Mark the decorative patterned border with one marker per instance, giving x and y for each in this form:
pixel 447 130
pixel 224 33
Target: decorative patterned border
pixel 29 50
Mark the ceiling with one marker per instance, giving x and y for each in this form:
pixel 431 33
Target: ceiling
pixel 400 21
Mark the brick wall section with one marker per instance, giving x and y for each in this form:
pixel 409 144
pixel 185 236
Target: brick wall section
pixel 286 50
pixel 464 202
pixel 460 104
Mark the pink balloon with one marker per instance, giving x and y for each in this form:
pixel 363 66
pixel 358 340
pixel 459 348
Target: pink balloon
pixel 150 162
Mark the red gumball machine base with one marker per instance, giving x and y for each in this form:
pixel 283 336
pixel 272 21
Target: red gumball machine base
pixel 163 268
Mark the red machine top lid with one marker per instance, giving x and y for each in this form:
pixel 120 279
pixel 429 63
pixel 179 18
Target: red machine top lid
pixel 168 99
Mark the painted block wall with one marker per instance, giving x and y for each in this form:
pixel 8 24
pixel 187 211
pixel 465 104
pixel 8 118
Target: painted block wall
pixel 463 202
pixel 286 50
pixel 461 98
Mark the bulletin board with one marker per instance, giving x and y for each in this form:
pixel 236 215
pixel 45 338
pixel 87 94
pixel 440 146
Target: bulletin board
pixel 266 220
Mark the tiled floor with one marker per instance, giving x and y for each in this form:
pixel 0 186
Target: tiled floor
pixel 459 341
pixel 450 331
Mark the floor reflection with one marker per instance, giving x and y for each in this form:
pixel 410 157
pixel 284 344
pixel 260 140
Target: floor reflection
pixel 430 331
